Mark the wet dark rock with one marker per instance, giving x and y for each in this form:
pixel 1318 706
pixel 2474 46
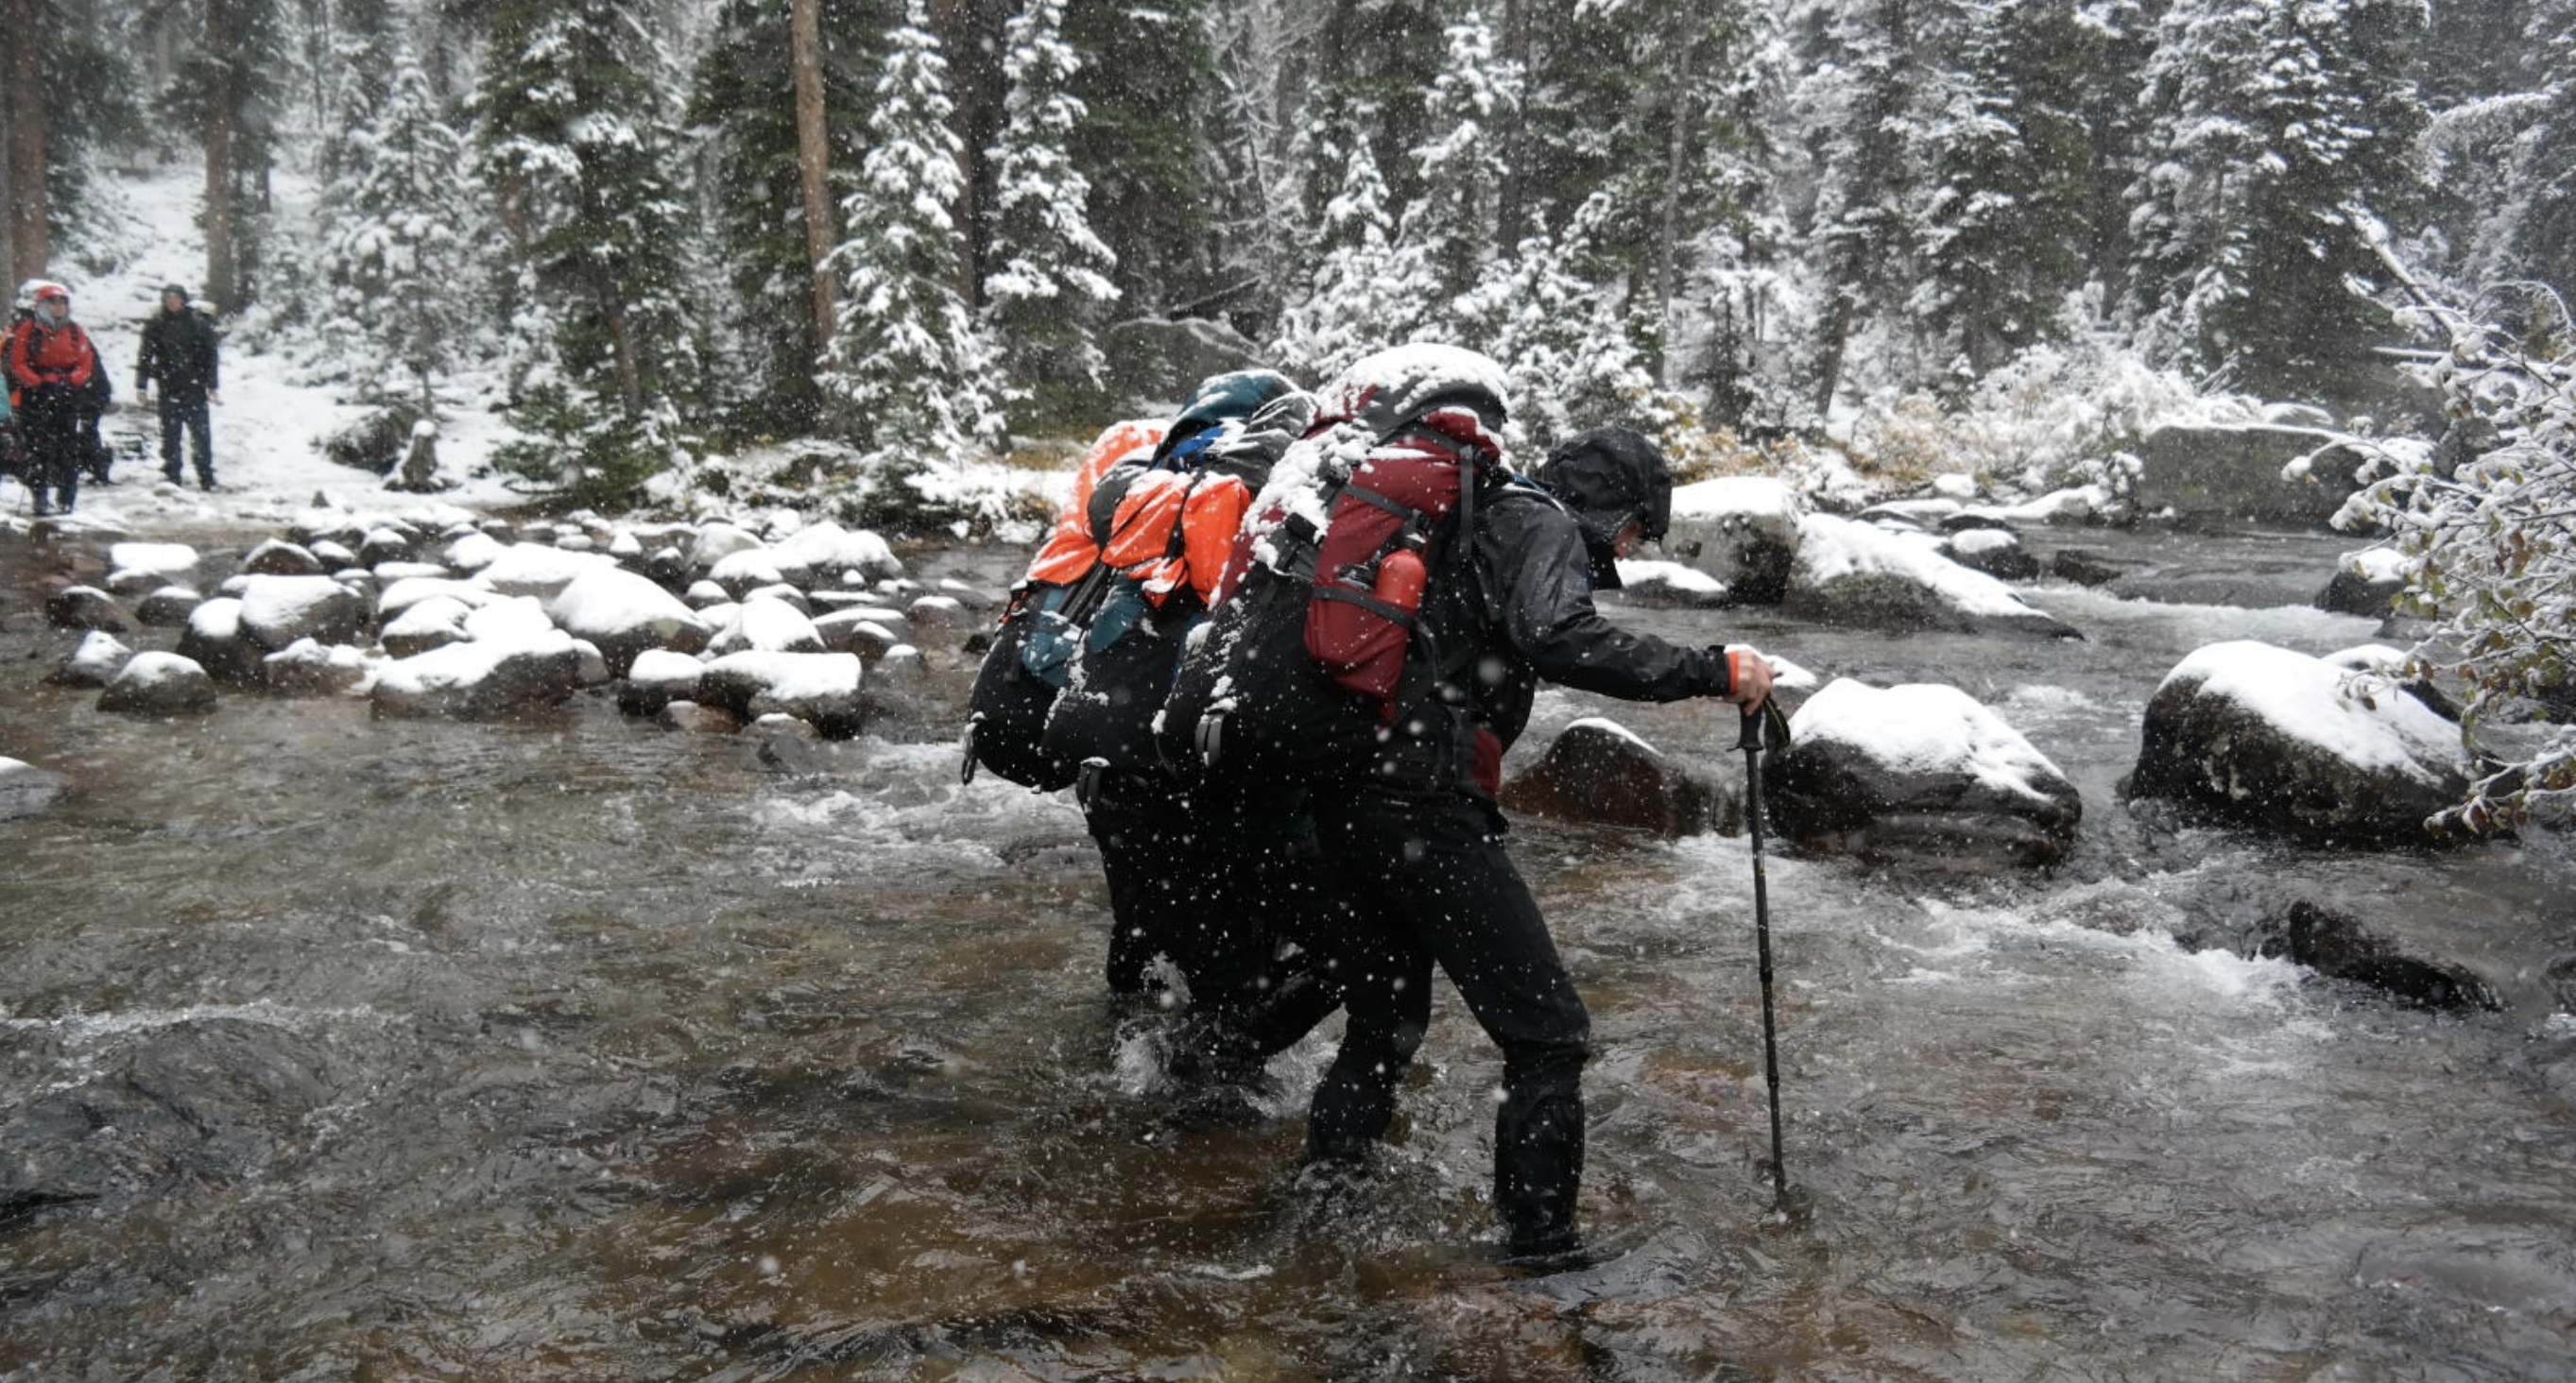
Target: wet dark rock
pixel 1961 791
pixel 159 684
pixel 2085 568
pixel 26 789
pixel 940 612
pixel 1596 771
pixel 666 566
pixel 2349 592
pixel 481 679
pixel 2340 946
pixel 2232 474
pixel 278 610
pixel 214 641
pixel 86 607
pixel 206 1101
pixel 790 745
pixel 821 688
pixel 1885 600
pixel 658 677
pixel 852 631
pixel 1742 530
pixel 168 607
pixel 278 557
pixel 2267 738
pixel 307 668
pixel 384 545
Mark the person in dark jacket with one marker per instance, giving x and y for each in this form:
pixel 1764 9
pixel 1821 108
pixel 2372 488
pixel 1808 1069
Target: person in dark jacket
pixel 1421 854
pixel 50 363
pixel 179 353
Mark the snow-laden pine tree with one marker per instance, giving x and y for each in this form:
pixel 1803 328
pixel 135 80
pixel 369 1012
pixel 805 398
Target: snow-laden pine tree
pixel 396 260
pixel 579 146
pixel 1146 81
pixel 1258 222
pixel 2006 231
pixel 1449 225
pixel 2277 124
pixel 2543 218
pixel 1563 340
pixel 1047 283
pixel 1366 292
pixel 910 370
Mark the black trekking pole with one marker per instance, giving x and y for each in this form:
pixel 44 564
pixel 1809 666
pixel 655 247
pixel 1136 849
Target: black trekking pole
pixel 1761 724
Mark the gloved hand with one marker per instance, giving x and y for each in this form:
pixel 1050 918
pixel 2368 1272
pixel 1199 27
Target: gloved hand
pixel 1748 675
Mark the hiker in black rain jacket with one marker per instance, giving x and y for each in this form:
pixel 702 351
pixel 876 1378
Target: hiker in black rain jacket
pixel 180 354
pixel 1420 842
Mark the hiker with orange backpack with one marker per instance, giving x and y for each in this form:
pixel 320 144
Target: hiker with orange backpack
pixel 51 363
pixel 1381 644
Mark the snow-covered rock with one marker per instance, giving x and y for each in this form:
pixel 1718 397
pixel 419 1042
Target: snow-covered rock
pixel 481 678
pixel 657 678
pixel 833 553
pixel 86 607
pixel 1855 575
pixel 1919 774
pixel 594 664
pixel 1995 551
pixel 471 552
pixel 1744 530
pixel 383 545
pixel 785 595
pixel 168 561
pixel 2262 736
pixel 26 789
pixel 1599 771
pixel 1671 584
pixel 278 610
pixel 159 684
pixel 337 556
pixel 278 557
pixel 741 573
pixel 308 668
pixel 532 569
pixel 94 664
pixel 390 572
pixel 2365 583
pixel 717 541
pixel 625 614
pixel 766 626
pixel 819 688
pixel 424 625
pixel 901 665
pixel 410 591
pixel 167 607
pixel 940 612
pixel 851 631
pixel 511 619
pixel 215 641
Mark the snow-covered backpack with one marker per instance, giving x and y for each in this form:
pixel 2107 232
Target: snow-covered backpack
pixel 1314 664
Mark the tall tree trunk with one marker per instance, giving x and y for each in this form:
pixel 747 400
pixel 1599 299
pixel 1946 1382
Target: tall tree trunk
pixel 221 84
pixel 621 347
pixel 1511 203
pixel 814 164
pixel 1668 246
pixel 1829 365
pixel 28 134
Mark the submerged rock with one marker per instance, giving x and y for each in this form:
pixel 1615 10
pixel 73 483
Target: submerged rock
pixel 2272 739
pixel 693 718
pixel 1920 774
pixel 26 789
pixel 1598 771
pixel 159 684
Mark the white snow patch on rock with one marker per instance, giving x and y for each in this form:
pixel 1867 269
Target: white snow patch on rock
pixel 1925 728
pixel 2332 707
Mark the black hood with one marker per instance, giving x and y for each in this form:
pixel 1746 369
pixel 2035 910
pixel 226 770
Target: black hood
pixel 1606 477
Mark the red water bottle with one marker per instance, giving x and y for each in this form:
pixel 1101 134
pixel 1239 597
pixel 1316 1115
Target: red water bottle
pixel 1400 578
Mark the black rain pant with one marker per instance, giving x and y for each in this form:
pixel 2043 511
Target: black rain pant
pixel 56 453
pixel 1426 880
pixel 184 411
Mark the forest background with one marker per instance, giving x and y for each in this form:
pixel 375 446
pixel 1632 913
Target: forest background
pixel 1997 237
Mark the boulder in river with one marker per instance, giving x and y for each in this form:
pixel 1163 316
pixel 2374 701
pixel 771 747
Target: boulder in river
pixel 764 625
pixel 2232 474
pixel 819 688
pixel 1672 585
pixel 2264 737
pixel 1995 551
pixel 2365 583
pixel 539 570
pixel 1599 771
pixel 167 607
pixel 1855 575
pixel 481 679
pixel 1921 774
pixel 278 610
pixel 308 668
pixel 95 663
pixel 86 607
pixel 26 789
pixel 215 641
pixel 168 561
pixel 424 625
pixel 1743 530
pixel 656 678
pixel 159 684
pixel 829 553
pixel 625 614
pixel 278 557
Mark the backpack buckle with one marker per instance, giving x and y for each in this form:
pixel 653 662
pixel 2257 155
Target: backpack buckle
pixel 1210 737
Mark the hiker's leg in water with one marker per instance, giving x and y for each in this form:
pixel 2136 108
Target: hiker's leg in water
pixel 1143 854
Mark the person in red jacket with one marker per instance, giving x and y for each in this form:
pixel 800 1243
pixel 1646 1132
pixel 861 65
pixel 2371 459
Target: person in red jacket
pixel 51 363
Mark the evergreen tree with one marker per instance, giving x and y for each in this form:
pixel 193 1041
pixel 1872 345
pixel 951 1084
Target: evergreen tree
pixel 2279 123
pixel 1047 284
pixel 1562 340
pixel 1146 83
pixel 580 148
pixel 2011 167
pixel 910 367
pixel 1258 222
pixel 744 104
pixel 1365 293
pixel 396 262
pixel 2543 219
pixel 1450 223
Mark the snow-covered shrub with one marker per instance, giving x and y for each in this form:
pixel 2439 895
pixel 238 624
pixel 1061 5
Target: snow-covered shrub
pixel 2490 551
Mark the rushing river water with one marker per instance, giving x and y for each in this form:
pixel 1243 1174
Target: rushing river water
pixel 581 1050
